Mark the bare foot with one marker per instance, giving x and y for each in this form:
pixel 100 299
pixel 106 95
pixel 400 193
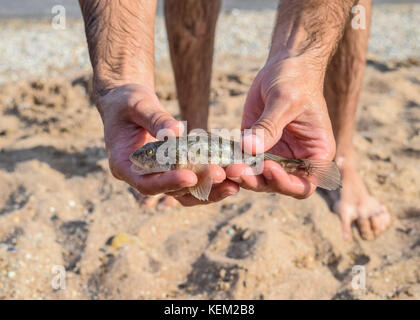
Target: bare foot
pixel 354 203
pixel 159 201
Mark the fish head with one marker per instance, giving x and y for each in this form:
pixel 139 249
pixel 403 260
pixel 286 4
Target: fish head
pixel 145 161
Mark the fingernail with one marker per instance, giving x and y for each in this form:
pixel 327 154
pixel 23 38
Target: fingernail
pixel 236 179
pixel 345 236
pixel 248 172
pixel 228 194
pixel 268 174
pixel 252 142
pixel 219 176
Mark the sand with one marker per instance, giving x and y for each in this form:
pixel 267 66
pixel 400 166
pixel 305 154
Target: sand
pixel 60 206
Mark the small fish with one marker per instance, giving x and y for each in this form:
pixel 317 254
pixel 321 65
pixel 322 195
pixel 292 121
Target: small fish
pixel 196 153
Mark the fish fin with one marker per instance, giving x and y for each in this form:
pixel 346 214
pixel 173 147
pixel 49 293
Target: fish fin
pixel 274 157
pixel 325 173
pixel 205 181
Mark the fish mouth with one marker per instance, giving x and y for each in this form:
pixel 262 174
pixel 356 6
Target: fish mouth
pixel 133 159
pixel 138 170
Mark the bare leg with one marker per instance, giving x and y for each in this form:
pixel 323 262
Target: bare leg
pixel 342 89
pixel 191 26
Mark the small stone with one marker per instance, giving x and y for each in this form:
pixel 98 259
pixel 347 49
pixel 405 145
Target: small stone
pixel 11 274
pixel 122 239
pixel 72 203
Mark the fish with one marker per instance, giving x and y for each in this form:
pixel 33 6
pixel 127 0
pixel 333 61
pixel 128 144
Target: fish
pixel 196 153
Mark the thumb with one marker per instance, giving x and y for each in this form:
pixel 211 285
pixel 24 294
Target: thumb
pixel 156 120
pixel 268 129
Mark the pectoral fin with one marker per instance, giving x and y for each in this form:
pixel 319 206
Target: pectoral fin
pixel 205 181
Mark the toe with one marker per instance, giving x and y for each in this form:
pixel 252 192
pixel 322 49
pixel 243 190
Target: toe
pixel 166 202
pixel 346 217
pixel 346 227
pixel 380 221
pixel 377 224
pixel 365 228
pixel 386 216
pixel 152 201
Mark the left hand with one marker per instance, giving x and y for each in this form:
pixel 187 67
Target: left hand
pixel 286 101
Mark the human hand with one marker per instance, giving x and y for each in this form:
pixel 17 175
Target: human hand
pixel 286 101
pixel 133 116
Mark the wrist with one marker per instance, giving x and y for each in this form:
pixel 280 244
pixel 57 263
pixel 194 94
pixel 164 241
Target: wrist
pixel 105 80
pixel 306 65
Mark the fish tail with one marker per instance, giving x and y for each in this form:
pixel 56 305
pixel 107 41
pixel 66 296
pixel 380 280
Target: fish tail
pixel 325 174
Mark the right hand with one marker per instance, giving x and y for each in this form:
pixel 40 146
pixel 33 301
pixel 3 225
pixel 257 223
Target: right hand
pixel 132 116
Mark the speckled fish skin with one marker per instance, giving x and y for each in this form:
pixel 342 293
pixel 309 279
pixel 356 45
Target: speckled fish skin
pixel 217 151
pixel 223 152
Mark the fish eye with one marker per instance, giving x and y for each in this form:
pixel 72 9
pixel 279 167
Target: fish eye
pixel 150 151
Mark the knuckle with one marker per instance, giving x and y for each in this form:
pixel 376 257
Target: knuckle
pixel 268 126
pixel 157 119
pixel 290 95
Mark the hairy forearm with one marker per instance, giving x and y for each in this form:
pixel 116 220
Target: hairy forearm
pixel 309 27
pixel 120 35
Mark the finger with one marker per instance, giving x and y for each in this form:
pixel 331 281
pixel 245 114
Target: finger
pixel 178 193
pixel 165 182
pixel 279 181
pixel 156 183
pixel 149 114
pixel 218 173
pixel 268 129
pixel 218 176
pixel 218 193
pixel 245 177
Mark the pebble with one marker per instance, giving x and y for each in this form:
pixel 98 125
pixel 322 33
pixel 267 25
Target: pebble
pixel 122 239
pixel 72 203
pixel 230 231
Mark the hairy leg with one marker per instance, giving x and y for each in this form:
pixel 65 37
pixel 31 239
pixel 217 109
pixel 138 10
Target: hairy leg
pixel 343 83
pixel 191 27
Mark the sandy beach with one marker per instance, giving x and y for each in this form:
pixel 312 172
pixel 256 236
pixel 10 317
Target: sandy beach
pixel 60 206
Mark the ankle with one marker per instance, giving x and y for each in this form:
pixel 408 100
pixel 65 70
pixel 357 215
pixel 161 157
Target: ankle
pixel 346 158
